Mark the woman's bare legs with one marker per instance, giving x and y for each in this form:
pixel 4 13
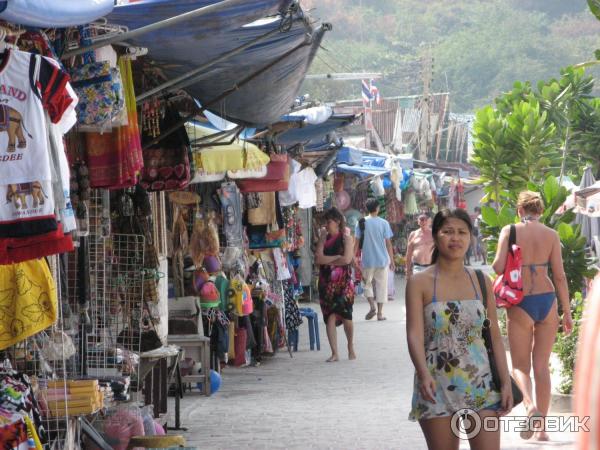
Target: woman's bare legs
pixel 486 440
pixel 544 335
pixel 349 330
pixel 438 434
pixel 520 338
pixel 332 337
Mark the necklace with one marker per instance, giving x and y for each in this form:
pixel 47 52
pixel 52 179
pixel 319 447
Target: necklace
pixel 530 219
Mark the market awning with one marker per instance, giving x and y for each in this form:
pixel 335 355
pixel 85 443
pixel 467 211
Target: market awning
pixel 54 13
pixel 221 155
pixel 363 171
pixel 262 81
pixel 314 133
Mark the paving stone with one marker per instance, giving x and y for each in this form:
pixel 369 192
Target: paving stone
pixel 305 403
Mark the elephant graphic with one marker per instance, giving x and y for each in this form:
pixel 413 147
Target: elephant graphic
pixel 17 194
pixel 11 121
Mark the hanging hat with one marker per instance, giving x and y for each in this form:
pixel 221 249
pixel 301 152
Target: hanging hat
pixel 200 277
pixel 212 264
pixel 209 295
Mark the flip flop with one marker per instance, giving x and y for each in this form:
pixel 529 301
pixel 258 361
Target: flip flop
pixel 382 318
pixel 370 314
pixel 528 434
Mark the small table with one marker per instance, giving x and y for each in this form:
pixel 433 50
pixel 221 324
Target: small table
pixel 203 344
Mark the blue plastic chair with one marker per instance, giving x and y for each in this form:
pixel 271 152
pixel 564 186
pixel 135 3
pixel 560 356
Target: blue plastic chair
pixel 313 327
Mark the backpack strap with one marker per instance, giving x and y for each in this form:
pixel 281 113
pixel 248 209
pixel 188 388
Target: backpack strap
pixel 482 286
pixel 361 227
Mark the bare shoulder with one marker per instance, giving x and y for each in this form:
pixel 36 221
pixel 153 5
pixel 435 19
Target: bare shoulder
pixel 421 281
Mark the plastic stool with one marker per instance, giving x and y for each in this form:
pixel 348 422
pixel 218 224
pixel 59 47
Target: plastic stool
pixel 313 327
pixel 293 336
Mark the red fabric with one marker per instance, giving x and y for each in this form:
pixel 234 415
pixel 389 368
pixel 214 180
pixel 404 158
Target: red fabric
pixel 508 286
pixel 15 250
pixel 241 338
pixel 13 435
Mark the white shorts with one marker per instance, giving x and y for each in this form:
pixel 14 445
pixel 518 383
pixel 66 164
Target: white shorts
pixel 379 277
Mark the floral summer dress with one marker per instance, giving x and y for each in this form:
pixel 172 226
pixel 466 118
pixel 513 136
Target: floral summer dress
pixel 336 288
pixel 456 357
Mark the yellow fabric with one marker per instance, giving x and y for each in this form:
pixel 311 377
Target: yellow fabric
pixel 235 156
pixel 28 301
pixel 237 286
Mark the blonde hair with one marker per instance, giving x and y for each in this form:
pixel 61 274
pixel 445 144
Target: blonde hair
pixel 531 202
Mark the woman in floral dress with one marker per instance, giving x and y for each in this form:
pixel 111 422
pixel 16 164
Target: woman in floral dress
pixel 445 315
pixel 336 289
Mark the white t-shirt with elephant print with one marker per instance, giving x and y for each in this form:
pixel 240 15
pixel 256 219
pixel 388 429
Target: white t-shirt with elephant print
pixel 29 84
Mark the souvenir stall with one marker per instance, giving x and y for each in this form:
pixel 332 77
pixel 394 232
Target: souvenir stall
pixel 130 235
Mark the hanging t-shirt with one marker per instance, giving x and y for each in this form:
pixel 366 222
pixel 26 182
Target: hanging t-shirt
pixel 289 197
pixel 29 84
pixel 305 188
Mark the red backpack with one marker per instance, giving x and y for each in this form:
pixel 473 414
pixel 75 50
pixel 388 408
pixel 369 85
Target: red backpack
pixel 508 286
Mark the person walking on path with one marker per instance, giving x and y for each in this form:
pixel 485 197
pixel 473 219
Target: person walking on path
pixel 419 248
pixel 336 288
pixel 444 319
pixel 373 238
pixel 533 323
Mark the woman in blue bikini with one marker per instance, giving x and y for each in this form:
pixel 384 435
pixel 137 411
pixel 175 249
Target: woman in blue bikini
pixel 533 323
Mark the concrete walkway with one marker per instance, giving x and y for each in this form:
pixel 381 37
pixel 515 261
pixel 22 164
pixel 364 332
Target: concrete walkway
pixel 305 403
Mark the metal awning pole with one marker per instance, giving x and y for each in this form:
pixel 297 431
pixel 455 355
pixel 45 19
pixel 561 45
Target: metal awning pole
pixel 224 95
pixel 157 26
pixel 175 82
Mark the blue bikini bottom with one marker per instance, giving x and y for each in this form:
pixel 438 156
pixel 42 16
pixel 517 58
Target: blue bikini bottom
pixel 538 305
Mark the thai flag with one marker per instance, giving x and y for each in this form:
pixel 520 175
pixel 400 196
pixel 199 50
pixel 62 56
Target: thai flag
pixel 366 93
pixel 375 93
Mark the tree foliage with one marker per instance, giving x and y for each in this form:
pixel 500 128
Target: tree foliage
pixel 479 47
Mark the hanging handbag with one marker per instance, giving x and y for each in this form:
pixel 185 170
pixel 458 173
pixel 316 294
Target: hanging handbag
pixel 508 286
pixel 276 179
pixel 487 338
pixel 167 163
pixel 99 88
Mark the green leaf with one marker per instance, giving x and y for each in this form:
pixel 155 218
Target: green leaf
pixel 489 216
pixel 597 54
pixel 551 188
pixel 565 231
pixel 595 7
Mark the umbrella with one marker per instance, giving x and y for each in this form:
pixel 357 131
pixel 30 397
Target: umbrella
pixel 590 226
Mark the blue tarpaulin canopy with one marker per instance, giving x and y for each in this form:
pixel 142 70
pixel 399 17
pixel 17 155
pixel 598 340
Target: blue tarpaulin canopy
pixel 361 162
pixel 349 155
pixel 314 133
pixel 283 57
pixel 54 13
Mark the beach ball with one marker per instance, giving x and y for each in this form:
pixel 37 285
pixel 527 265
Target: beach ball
pixel 215 382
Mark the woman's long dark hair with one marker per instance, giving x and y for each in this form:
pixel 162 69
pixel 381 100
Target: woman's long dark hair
pixel 440 219
pixel 335 215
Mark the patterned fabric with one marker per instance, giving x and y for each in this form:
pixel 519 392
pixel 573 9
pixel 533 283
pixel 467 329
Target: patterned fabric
pixel 395 210
pixel 28 300
pixel 100 91
pixel 457 360
pixel 12 436
pixel 17 400
pixel 293 319
pixel 336 288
